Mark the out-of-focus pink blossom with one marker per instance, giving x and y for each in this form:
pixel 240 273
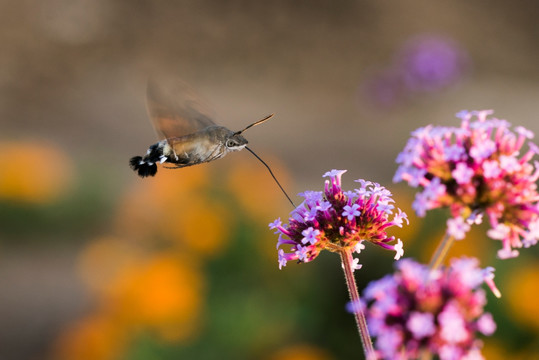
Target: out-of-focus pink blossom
pixel 442 316
pixel 481 167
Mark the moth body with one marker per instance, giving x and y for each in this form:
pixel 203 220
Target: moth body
pixel 202 146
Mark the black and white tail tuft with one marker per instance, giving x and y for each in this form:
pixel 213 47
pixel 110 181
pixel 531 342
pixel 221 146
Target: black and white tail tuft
pixel 143 167
pixel 147 165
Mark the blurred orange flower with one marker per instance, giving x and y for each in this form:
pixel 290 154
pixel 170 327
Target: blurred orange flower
pixel 147 276
pixel 104 259
pixel 164 294
pixel 176 207
pixel 496 350
pixel 257 192
pixel 204 228
pixel 190 210
pixel 148 200
pixel 301 352
pixel 33 171
pixel 95 337
pixel 522 293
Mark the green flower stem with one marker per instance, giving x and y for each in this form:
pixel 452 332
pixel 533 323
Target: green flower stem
pixel 347 261
pixel 441 251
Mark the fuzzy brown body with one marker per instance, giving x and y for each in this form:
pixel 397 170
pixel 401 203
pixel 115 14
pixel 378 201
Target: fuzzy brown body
pixel 202 146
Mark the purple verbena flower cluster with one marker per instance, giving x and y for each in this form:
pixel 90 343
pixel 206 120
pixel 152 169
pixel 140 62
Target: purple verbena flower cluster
pixel 441 316
pixel 335 219
pixel 430 62
pixel 425 63
pixel 474 169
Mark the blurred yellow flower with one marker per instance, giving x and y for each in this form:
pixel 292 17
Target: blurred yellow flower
pixel 522 291
pixel 96 337
pixel 301 352
pixel 33 171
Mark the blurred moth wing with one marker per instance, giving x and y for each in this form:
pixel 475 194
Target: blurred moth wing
pixel 175 109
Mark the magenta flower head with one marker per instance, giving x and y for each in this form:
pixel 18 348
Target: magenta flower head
pixel 335 220
pixel 481 167
pixel 411 317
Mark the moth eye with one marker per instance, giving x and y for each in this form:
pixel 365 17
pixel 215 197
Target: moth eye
pixel 230 143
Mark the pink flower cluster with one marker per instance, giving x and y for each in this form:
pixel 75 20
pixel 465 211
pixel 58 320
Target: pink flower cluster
pixel 335 219
pixel 479 167
pixel 441 316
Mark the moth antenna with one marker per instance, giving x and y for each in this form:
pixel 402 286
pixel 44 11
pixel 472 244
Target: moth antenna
pixel 267 167
pixel 254 124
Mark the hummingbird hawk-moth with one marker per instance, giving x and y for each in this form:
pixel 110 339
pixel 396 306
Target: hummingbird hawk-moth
pixel 188 134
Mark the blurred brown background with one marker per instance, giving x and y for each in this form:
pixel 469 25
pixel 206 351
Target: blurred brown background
pixel 73 75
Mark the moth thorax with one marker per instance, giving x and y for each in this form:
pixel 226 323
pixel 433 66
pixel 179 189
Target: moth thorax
pixel 166 149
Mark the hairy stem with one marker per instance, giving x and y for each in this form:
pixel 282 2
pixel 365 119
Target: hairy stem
pixel 441 251
pixel 347 261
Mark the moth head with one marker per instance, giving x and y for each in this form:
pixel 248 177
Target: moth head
pixel 235 142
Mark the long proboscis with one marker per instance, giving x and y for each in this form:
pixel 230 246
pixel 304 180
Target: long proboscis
pixel 271 172
pixel 255 124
